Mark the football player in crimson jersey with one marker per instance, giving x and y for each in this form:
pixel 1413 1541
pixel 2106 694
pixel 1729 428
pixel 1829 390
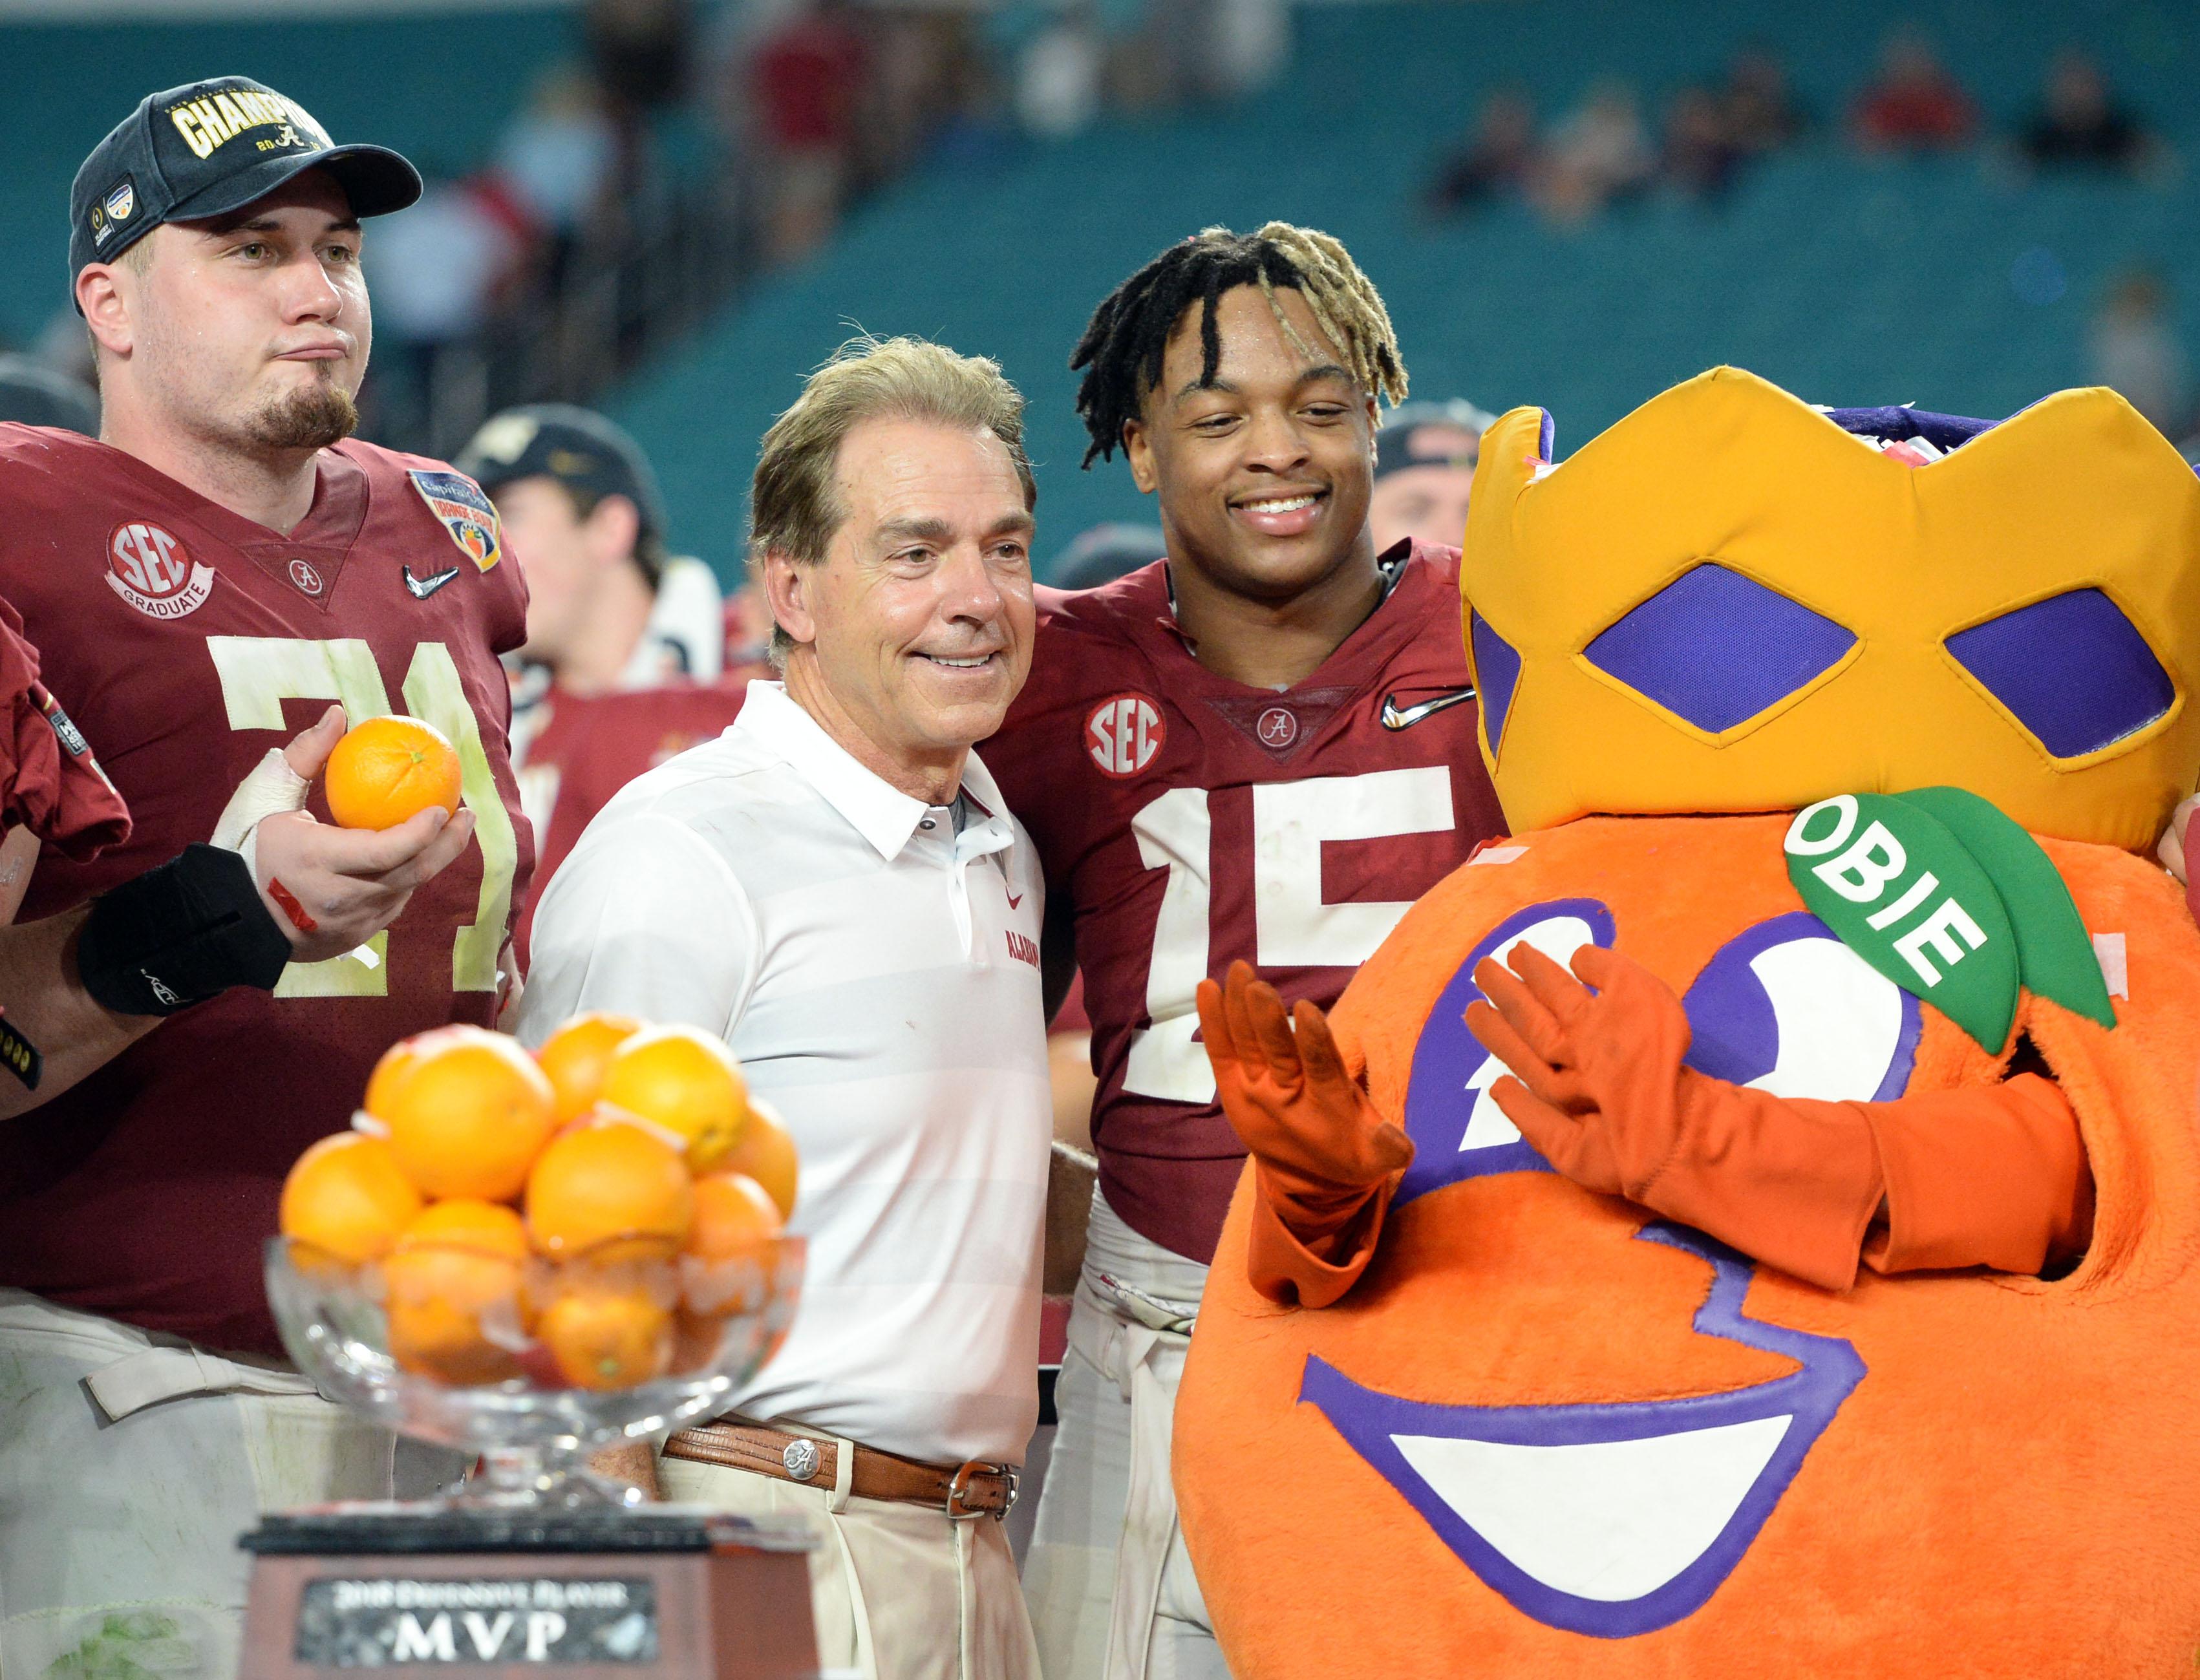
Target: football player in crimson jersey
pixel 203 580
pixel 1261 748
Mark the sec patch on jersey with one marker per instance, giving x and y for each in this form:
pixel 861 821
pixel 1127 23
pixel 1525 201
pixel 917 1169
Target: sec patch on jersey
pixel 1124 734
pixel 149 567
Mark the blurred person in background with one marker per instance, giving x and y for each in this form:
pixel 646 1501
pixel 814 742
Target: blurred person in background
pixel 1101 553
pixel 437 271
pixel 744 620
pixel 639 51
pixel 2080 124
pixel 1424 458
pixel 1190 736
pixel 33 395
pixel 1757 107
pixel 2136 351
pixel 1597 156
pixel 619 630
pixel 1913 105
pixel 1699 159
pixel 559 157
pixel 1060 73
pixel 806 91
pixel 1498 159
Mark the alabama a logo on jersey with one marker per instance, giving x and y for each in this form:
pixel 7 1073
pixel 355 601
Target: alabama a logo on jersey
pixel 466 512
pixel 149 568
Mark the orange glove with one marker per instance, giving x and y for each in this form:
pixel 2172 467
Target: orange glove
pixel 1324 1161
pixel 1994 1177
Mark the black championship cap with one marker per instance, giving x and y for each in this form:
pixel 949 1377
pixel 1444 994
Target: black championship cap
pixel 210 148
pixel 582 450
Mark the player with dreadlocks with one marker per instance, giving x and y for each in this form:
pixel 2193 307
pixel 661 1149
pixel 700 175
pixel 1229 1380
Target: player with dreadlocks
pixel 1261 748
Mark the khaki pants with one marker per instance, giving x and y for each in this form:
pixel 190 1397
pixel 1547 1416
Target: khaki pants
pixel 1112 1591
pixel 899 1591
pixel 129 1466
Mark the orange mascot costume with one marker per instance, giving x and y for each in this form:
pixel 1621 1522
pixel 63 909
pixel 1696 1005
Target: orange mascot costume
pixel 1748 1222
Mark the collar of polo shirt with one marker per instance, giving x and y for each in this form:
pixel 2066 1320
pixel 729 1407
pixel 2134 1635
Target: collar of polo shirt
pixel 877 810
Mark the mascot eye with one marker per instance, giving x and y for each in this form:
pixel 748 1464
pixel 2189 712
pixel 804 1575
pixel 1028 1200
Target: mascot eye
pixel 1718 648
pixel 2072 670
pixel 1496 669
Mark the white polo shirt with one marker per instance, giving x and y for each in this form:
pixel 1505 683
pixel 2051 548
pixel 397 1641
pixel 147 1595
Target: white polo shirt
pixel 877 973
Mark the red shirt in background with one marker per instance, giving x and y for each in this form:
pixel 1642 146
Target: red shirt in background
pixel 1916 113
pixel 805 81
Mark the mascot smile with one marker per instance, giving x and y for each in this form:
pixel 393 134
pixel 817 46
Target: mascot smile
pixel 1748 1221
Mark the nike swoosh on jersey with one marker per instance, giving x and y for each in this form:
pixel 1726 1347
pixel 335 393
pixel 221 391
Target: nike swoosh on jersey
pixel 1015 899
pixel 423 587
pixel 1395 716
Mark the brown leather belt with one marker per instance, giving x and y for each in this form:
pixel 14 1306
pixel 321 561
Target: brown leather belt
pixel 962 1492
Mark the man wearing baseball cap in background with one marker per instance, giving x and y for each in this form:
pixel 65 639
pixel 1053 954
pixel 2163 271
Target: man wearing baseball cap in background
pixel 1425 458
pixel 624 638
pixel 202 580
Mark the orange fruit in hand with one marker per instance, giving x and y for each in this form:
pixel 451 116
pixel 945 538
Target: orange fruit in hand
pixel 347 1197
pixel 388 769
pixel 469 1113
pixel 575 1054
pixel 765 1152
pixel 607 1338
pixel 685 1080
pixel 603 1181
pixel 454 1293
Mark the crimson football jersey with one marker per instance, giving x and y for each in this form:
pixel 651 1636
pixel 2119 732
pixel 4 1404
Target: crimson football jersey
pixel 574 754
pixel 1192 821
pixel 189 640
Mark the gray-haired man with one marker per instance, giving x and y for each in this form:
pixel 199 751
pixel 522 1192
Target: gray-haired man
pixel 835 885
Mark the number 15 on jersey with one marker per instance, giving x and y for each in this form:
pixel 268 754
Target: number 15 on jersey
pixel 1294 928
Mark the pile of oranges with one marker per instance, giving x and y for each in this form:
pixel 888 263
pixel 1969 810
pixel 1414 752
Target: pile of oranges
pixel 588 1216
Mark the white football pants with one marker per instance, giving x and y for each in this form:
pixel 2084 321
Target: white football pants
pixel 1110 1586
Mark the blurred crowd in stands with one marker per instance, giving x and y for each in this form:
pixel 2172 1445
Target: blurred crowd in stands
pixel 691 144
pixel 1606 151
pixel 688 145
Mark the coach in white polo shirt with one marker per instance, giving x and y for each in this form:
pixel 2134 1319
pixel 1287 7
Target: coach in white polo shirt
pixel 834 884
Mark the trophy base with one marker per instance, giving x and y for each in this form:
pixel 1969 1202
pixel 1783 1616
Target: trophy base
pixel 598 1594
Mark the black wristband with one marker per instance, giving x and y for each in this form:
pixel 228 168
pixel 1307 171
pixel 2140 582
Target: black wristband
pixel 179 934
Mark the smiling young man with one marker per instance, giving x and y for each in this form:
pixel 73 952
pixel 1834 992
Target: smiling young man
pixel 835 888
pixel 1262 747
pixel 202 581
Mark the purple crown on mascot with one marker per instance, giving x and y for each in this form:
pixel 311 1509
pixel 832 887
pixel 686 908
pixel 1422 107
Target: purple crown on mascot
pixel 1856 728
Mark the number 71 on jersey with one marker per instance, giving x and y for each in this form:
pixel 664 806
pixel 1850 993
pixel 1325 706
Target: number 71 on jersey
pixel 258 673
